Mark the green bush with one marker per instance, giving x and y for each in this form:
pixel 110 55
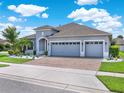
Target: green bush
pixel 114 51
pixel 17 52
pixel 10 52
pixel 34 52
pixel 1 47
pixel 7 47
pixel 46 53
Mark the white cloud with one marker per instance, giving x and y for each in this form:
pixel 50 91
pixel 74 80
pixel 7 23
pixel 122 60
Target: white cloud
pixel 11 7
pixel 86 2
pixel 12 19
pixel 15 19
pixel 24 31
pixel 100 18
pixel 27 10
pixel 3 26
pixel 45 15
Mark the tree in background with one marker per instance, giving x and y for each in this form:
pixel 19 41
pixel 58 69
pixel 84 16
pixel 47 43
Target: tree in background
pixel 17 45
pixel 120 36
pixel 11 35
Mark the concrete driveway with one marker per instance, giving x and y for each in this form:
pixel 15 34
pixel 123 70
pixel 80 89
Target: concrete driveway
pixel 67 79
pixel 63 62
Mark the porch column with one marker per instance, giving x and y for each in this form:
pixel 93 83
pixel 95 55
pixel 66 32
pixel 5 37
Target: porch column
pixel 105 52
pixel 37 47
pixel 49 49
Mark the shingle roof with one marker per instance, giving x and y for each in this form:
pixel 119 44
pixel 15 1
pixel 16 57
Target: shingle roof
pixel 71 29
pixel 46 27
pixel 74 29
pixel 31 36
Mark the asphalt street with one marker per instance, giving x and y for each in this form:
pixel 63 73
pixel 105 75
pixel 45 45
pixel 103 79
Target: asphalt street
pixel 12 86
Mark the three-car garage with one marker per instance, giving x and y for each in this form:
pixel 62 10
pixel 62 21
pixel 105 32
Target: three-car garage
pixel 93 49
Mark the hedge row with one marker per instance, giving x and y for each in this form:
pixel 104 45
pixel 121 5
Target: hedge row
pixel 114 51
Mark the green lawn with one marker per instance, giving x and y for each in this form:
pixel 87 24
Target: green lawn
pixel 114 84
pixel 3 65
pixel 121 54
pixel 5 58
pixel 112 67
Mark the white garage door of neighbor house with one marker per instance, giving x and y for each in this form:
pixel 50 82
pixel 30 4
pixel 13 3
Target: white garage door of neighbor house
pixel 65 49
pixel 94 49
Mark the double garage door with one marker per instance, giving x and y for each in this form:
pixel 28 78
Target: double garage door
pixel 92 49
pixel 65 49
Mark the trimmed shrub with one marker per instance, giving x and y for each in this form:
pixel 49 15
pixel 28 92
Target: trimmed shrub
pixel 46 53
pixel 114 51
pixel 17 52
pixel 34 52
pixel 1 47
pixel 10 52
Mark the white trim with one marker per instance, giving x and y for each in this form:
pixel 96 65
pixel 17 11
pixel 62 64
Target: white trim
pixel 79 35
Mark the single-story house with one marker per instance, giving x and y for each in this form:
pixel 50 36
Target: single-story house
pixel 71 40
pixel 3 41
pixel 119 42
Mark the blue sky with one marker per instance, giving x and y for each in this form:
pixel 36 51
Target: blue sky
pixel 106 15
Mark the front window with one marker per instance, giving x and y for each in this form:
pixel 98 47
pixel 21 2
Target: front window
pixel 42 33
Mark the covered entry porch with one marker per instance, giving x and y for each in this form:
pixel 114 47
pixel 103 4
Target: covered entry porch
pixel 41 46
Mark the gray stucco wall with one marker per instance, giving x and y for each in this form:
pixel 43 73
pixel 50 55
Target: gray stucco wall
pixel 40 34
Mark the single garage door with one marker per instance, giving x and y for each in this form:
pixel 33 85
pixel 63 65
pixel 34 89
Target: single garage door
pixel 65 49
pixel 94 49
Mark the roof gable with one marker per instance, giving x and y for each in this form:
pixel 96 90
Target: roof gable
pixel 45 28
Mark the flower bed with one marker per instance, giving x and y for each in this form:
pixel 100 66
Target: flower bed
pixel 112 60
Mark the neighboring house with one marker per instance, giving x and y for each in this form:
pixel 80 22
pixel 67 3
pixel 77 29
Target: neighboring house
pixel 3 41
pixel 71 40
pixel 119 42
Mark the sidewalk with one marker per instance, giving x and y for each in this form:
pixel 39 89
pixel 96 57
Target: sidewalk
pixel 83 81
pixel 110 74
pixel 76 70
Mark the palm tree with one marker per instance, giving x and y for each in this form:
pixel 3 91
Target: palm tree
pixel 11 35
pixel 24 42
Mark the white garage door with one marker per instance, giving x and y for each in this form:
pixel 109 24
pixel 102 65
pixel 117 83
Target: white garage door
pixel 65 49
pixel 94 49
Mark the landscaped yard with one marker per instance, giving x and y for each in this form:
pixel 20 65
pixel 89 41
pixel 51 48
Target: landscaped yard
pixel 5 58
pixel 115 84
pixel 3 65
pixel 112 67
pixel 121 54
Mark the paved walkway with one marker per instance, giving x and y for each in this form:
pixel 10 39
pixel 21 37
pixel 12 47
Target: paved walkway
pixel 83 81
pixel 110 74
